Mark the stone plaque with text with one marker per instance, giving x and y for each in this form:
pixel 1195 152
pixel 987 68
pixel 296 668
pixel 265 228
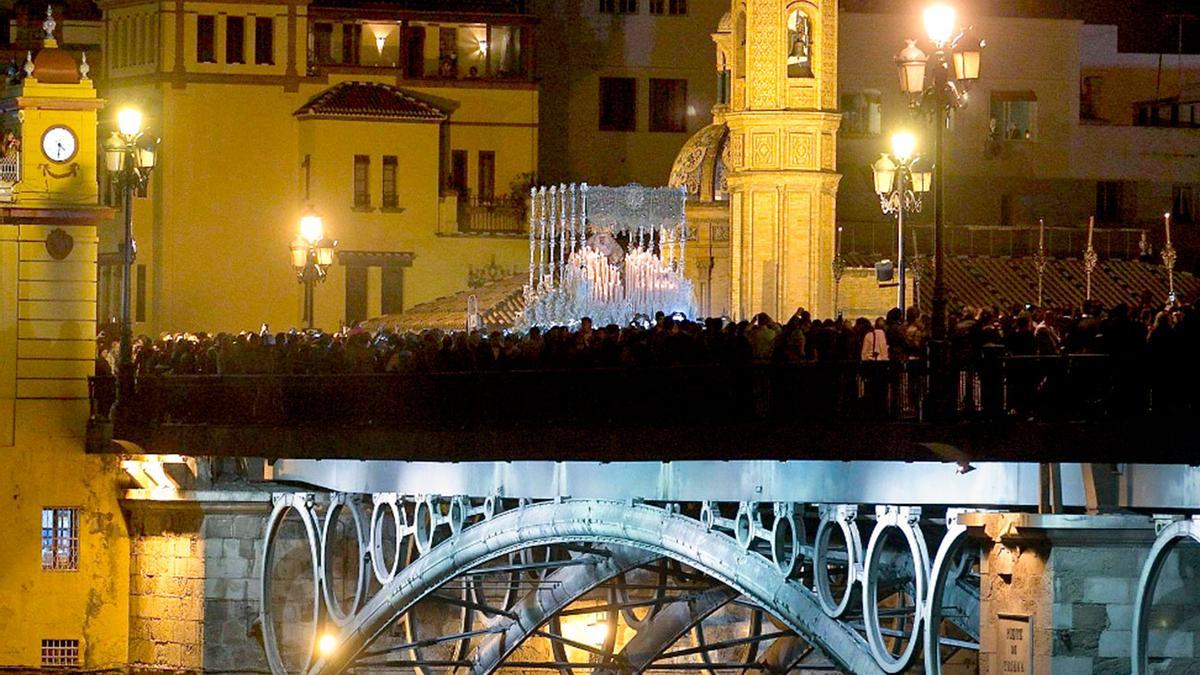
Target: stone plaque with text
pixel 1015 653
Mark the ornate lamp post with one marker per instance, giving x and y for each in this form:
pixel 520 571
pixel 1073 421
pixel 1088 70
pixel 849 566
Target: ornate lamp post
pixel 1169 258
pixel 937 85
pixel 900 186
pixel 312 254
pixel 129 156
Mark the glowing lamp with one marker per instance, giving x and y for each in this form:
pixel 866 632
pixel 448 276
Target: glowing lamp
pixel 326 644
pixel 885 174
pixel 910 63
pixel 967 57
pixel 114 153
pixel 939 23
pixel 312 229
pixel 325 248
pixel 299 248
pixel 129 121
pixel 903 145
pixel 922 181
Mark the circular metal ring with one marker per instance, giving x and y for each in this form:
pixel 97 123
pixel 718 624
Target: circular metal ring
pixel 425 525
pixel 744 525
pixel 707 516
pixel 947 565
pixel 302 504
pixel 384 574
pixel 835 607
pixel 787 534
pixel 458 515
pixel 489 507
pixel 334 606
pixel 916 547
pixel 1170 537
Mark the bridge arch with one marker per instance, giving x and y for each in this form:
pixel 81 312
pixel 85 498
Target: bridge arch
pixel 657 531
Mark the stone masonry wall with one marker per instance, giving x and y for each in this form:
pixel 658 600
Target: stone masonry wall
pixel 232 636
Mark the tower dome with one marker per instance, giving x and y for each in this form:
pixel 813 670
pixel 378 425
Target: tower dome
pixel 52 64
pixel 700 166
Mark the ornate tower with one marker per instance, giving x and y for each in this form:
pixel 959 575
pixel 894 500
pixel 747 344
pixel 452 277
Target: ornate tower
pixel 783 123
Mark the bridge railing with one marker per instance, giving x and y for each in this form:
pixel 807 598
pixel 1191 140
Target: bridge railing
pixel 1084 387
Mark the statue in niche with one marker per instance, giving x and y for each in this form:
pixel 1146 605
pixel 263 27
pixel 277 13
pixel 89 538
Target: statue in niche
pixel 799 61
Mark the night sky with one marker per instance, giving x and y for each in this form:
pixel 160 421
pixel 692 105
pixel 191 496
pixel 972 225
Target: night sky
pixel 1147 26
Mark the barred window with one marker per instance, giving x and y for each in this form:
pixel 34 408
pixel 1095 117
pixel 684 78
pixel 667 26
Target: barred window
pixel 362 193
pixel 60 539
pixel 670 7
pixel 60 653
pixel 390 200
pixel 618 6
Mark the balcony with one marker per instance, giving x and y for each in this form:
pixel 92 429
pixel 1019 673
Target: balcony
pixel 487 52
pixel 879 238
pixel 1002 408
pixel 495 216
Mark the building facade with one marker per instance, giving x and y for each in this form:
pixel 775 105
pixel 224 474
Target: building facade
pixel 411 130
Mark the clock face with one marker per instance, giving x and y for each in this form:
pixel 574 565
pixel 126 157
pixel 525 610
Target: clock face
pixel 59 144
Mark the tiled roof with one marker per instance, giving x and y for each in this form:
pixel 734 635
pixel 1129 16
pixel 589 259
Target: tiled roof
pixel 500 302
pixel 370 100
pixel 974 281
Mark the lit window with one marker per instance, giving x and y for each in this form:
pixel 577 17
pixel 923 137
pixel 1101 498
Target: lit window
pixel 60 539
pixel 1014 116
pixel 390 201
pixel 668 105
pixel 362 193
pixel 60 653
pixel 862 113
pixel 206 39
pixel 618 104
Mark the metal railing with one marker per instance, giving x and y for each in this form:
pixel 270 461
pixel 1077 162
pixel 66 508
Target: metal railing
pixel 10 167
pixel 994 387
pixel 879 238
pixel 496 215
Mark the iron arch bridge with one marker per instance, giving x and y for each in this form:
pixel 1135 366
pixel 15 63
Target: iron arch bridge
pixel 504 574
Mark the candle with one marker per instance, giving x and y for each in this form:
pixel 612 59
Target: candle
pixel 1041 234
pixel 1167 218
pixel 1091 223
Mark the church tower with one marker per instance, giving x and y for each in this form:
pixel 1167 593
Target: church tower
pixel 782 178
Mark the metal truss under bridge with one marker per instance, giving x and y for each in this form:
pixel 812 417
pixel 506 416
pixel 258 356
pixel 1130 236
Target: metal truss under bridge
pixel 744 566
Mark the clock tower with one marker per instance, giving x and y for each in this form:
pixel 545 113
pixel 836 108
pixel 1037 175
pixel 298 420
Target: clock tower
pixel 51 110
pixel 782 178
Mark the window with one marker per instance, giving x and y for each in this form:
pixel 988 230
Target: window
pixel 1108 202
pixel 799 60
pixel 1089 97
pixel 60 653
pixel 458 172
pixel 618 104
pixel 1014 116
pixel 139 311
pixel 389 182
pixel 206 39
pixel 1008 205
pixel 862 113
pixel 392 291
pixel 618 6
pixel 362 193
pixel 323 42
pixel 671 7
pixel 668 105
pixel 60 539
pixel 487 176
pixel 356 294
pixel 1183 203
pixel 235 39
pixel 351 37
pixel 264 40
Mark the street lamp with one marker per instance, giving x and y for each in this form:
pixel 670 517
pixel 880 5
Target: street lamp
pixel 937 85
pixel 129 156
pixel 900 185
pixel 312 255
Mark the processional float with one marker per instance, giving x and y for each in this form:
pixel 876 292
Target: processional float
pixel 608 253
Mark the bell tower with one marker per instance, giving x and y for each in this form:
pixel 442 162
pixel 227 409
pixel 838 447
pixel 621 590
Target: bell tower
pixel 783 124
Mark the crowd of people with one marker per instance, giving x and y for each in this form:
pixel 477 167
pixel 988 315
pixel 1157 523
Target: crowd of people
pixel 1161 337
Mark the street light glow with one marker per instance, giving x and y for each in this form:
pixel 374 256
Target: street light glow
pixel 311 227
pixel 129 121
pixel 327 644
pixel 903 145
pixel 939 23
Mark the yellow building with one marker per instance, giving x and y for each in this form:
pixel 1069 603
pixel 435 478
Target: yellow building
pixel 408 131
pixel 64 564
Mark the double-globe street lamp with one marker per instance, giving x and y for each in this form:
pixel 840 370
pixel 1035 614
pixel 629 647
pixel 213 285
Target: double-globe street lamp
pixel 900 185
pixel 312 255
pixel 937 85
pixel 129 157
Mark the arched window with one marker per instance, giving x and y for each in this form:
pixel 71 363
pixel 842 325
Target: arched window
pixel 800 42
pixel 723 79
